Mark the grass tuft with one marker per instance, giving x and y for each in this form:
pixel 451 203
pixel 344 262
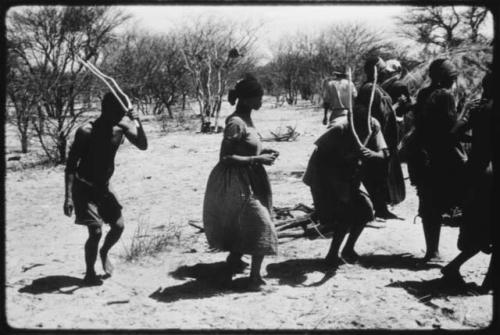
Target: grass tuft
pixel 148 242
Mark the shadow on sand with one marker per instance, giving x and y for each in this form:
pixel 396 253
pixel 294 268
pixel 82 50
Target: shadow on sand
pixel 398 261
pixel 294 272
pixel 426 290
pixel 53 284
pixel 209 280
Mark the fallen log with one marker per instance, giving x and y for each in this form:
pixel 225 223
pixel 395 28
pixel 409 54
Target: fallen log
pixel 284 212
pixel 288 235
pixel 299 222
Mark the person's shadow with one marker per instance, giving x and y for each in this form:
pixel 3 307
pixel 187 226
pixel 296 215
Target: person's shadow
pixel 53 284
pixel 397 261
pixel 426 290
pixel 209 280
pixel 294 272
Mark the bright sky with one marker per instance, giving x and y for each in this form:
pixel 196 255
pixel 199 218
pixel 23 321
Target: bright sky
pixel 274 21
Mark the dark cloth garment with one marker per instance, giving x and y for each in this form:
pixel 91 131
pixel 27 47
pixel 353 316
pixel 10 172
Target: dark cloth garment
pixel 374 177
pixel 412 149
pixel 238 202
pixel 94 206
pixel 437 163
pixel 383 180
pixel 381 110
pixel 333 174
pixel 476 231
pixel 396 88
pixel 92 154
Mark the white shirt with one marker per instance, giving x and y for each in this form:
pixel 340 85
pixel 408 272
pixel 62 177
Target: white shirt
pixel 336 93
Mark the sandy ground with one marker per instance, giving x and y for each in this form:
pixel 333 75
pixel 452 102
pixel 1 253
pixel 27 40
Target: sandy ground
pixel 163 189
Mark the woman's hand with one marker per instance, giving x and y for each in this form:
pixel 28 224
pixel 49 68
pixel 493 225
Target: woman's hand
pixel 266 159
pixel 270 151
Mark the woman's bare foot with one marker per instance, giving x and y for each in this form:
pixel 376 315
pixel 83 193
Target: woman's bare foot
pixel 236 264
pixel 432 257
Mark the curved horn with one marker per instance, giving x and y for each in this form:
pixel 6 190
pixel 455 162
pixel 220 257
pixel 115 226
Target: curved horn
pixel 372 96
pixel 103 78
pixel 350 116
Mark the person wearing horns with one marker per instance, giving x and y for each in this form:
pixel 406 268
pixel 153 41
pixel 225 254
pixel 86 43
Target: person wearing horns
pixel 382 179
pixel 333 175
pixel 436 164
pixel 394 85
pixel 89 168
pixel 238 200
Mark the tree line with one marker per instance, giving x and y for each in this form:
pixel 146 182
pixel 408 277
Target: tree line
pixel 49 92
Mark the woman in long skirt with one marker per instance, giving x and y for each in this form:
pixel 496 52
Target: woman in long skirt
pixel 238 202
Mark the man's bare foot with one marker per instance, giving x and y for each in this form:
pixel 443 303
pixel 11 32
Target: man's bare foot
pixel 386 215
pixel 106 264
pixel 452 276
pixel 334 261
pixel 256 283
pixel 487 284
pixel 91 279
pixel 350 256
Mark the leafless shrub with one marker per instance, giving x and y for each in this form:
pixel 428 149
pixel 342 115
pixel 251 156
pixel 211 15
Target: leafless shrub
pixel 147 242
pixel 288 134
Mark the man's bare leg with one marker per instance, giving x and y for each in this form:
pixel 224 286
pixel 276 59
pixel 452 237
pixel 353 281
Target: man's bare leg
pixel 332 258
pixel 451 272
pixel 348 253
pixel 91 247
pixel 432 232
pixel 487 284
pixel 112 237
pixel 325 116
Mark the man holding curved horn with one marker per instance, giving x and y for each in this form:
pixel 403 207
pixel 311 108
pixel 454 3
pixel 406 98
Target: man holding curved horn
pixel 88 170
pixel 333 174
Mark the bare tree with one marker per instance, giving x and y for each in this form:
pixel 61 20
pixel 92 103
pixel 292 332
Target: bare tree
pixel 444 27
pixel 349 44
pixel 48 40
pixel 211 49
pixel 151 69
pixel 22 97
pixel 474 17
pixel 301 64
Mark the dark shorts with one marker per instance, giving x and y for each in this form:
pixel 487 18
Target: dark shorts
pixel 331 211
pixel 95 206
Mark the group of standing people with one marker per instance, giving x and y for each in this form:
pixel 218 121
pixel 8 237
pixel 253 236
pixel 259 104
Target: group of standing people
pixel 356 149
